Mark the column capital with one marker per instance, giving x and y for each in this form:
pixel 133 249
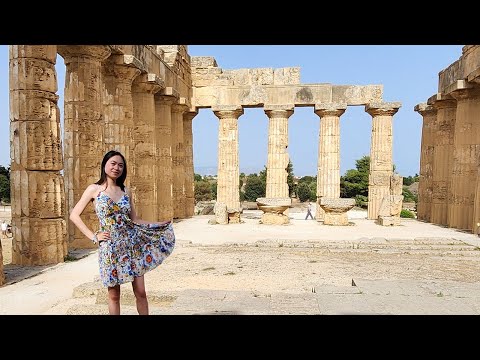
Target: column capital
pixel 148 83
pixel 462 94
pixel 424 109
pixel 440 101
pixel 330 109
pixel 279 111
pixel 179 108
pixel 164 99
pixel 95 52
pixel 189 115
pixel 227 111
pixel 382 108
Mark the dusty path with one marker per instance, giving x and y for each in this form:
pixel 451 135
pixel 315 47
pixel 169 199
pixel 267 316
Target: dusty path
pixel 250 268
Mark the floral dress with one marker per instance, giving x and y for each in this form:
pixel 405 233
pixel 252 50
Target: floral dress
pixel 133 249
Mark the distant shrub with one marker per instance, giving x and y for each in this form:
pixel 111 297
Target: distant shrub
pixel 407 214
pixel 361 201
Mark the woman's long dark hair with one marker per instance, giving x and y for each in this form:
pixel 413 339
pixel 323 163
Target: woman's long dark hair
pixel 103 177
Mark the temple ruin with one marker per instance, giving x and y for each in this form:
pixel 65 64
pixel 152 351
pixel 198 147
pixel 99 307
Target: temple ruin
pixel 141 100
pixel 449 188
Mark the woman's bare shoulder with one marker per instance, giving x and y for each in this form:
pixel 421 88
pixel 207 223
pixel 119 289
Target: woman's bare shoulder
pixel 93 189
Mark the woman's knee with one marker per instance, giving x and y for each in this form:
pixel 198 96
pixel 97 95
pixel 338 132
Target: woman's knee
pixel 114 294
pixel 140 293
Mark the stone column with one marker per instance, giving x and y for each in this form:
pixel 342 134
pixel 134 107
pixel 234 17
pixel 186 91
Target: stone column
pixel 328 169
pixel 143 167
pixel 442 158
pixel 425 186
pixel 189 172
pixel 228 181
pixel 178 159
pixel 381 163
pixel 476 209
pixel 118 76
pixel 277 159
pixel 37 187
pixel 466 159
pixel 163 124
pixel 84 142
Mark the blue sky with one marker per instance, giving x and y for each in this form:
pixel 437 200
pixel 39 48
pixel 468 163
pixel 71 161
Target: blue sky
pixel 408 73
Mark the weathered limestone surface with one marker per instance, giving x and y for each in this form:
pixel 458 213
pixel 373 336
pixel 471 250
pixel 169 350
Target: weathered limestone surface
pixel 328 168
pixel 277 159
pixel 84 141
pixel 143 166
pixel 466 158
pixel 178 159
pixel 189 171
pixel 163 130
pixel 381 164
pixel 37 194
pixel 391 205
pixel 118 110
pixel 228 166
pixel 425 187
pixel 214 86
pixel 335 210
pixel 442 157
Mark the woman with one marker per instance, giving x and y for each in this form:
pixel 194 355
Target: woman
pixel 128 246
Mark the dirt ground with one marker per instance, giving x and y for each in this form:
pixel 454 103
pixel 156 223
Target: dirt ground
pixel 290 259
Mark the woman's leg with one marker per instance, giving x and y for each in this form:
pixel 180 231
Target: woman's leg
pixel 114 300
pixel 138 286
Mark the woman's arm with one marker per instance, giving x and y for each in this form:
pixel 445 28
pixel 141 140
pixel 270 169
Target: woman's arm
pixel 133 214
pixel 88 195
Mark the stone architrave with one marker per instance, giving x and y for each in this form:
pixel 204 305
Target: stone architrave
pixel 189 171
pixel 335 210
pixel 442 157
pixel 466 159
pixel 178 158
pixel 84 130
pixel 381 163
pixel 163 131
pixel 425 188
pixel 328 169
pixel 37 186
pixel 143 166
pixel 228 180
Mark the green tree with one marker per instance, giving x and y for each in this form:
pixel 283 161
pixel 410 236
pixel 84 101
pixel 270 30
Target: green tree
pixel 255 187
pixel 197 177
pixel 303 191
pixel 5 171
pixel 203 191
pixel 4 188
pixel 355 181
pixel 290 178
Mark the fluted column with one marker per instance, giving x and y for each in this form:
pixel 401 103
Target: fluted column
pixel 381 161
pixel 228 181
pixel 425 186
pixel 84 142
pixel 328 169
pixel 189 172
pixel 277 159
pixel 143 166
pixel 466 159
pixel 37 187
pixel 163 124
pixel 178 160
pixel 118 76
pixel 442 158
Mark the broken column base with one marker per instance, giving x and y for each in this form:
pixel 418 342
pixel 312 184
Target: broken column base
pixel 336 210
pixel 335 219
pixel 234 217
pixel 274 219
pixel 273 210
pixel 388 220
